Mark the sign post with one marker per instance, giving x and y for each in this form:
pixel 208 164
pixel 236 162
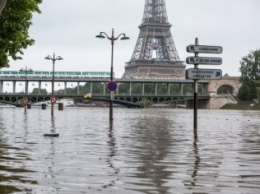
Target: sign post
pixel 195 123
pixel 197 74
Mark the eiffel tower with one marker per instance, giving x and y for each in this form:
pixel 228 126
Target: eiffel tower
pixel 155 55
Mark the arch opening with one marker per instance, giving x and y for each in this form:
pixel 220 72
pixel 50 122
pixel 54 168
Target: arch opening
pixel 225 89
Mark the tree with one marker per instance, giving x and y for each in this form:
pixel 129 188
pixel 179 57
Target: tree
pixel 248 91
pixel 14 25
pixel 2 5
pixel 250 76
pixel 38 91
pixel 242 93
pixel 250 66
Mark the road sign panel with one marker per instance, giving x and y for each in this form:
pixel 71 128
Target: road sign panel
pixel 204 60
pixel 204 49
pixel 112 86
pixel 205 74
pixel 25 101
pixel 112 96
pixel 53 99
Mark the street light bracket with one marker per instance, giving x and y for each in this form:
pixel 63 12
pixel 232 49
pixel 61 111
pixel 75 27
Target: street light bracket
pixel 101 36
pixel 59 58
pixel 125 37
pixel 48 57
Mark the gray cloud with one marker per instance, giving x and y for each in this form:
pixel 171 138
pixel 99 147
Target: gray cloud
pixel 68 28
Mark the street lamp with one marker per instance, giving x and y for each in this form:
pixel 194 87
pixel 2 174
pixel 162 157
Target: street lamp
pixel 25 99
pixel 53 99
pixel 112 39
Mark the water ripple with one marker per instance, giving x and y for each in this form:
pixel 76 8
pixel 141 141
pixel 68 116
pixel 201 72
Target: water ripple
pixel 145 151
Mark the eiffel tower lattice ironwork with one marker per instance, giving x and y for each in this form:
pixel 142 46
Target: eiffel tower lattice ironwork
pixel 155 55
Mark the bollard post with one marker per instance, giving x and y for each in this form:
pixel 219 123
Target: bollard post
pixel 60 106
pixel 43 106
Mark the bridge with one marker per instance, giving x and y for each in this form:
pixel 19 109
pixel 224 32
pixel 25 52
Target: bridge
pixel 130 92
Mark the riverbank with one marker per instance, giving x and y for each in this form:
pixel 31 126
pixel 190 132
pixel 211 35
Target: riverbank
pixel 242 106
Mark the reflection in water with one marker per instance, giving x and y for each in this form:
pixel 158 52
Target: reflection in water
pixel 112 152
pixel 196 159
pixel 12 165
pixel 151 147
pixel 152 151
pixel 203 164
pixel 50 157
pixel 249 153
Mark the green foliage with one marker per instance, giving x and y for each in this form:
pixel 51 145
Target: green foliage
pixel 124 88
pixel 224 89
pixel 149 88
pixel 250 76
pixel 188 89
pixel 247 91
pixel 14 25
pixel 136 88
pixel 175 88
pixel 242 93
pixel 36 91
pixel 258 93
pixel 162 88
pixel 250 66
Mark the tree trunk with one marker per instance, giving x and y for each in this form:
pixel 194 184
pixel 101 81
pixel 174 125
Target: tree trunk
pixel 2 5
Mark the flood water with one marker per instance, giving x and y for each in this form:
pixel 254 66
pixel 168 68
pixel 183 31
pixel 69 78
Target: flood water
pixel 145 151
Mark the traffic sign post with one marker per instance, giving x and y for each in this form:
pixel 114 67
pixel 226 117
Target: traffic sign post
pixel 197 74
pixel 205 74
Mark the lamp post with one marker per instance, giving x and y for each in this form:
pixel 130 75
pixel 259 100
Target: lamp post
pixel 53 99
pixel 112 39
pixel 25 99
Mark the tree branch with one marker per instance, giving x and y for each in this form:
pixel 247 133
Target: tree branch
pixel 2 5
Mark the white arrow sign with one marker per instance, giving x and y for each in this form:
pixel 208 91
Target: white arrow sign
pixel 205 74
pixel 204 60
pixel 204 49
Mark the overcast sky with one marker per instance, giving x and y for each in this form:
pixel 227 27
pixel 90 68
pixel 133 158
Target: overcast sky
pixel 68 28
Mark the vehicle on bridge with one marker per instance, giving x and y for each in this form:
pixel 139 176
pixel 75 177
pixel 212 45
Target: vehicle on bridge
pixel 70 74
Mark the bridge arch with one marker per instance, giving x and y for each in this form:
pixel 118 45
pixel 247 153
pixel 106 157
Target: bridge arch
pixel 225 89
pixel 227 85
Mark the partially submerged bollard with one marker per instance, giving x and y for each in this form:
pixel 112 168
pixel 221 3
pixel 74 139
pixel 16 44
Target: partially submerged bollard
pixel 43 106
pixel 60 106
pixel 51 135
pixel 29 106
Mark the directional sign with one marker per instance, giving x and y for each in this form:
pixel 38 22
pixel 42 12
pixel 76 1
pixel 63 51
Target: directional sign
pixel 204 60
pixel 112 86
pixel 205 74
pixel 204 49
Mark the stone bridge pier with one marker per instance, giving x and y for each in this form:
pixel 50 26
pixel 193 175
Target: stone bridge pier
pixel 223 91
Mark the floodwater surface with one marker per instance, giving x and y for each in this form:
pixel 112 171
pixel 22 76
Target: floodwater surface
pixel 145 151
